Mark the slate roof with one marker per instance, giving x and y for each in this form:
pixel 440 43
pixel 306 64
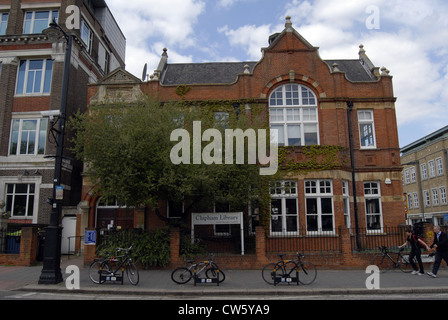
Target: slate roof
pixel 355 70
pixel 227 72
pixel 204 73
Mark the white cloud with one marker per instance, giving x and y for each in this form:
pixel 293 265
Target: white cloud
pixel 250 37
pixel 149 22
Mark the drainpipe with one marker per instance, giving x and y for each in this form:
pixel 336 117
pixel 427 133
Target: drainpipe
pixel 352 161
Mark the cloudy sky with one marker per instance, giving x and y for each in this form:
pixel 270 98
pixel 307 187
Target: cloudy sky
pixel 408 37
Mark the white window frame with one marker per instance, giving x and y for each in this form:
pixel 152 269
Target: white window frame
pixel 283 191
pixel 427 198
pixel 28 72
pixel 319 190
pixel 443 199
pixel 366 118
pixel 83 32
pixel 432 168
pixel 51 14
pixel 407 177
pixel 410 200
pixel 416 202
pixel 424 171
pixel 296 104
pixel 21 132
pixel 37 181
pixel 374 193
pixel 346 202
pixel 413 175
pixel 439 166
pixel 3 22
pixel 435 196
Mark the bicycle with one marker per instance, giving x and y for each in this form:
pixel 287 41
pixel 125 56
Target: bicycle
pixel 384 261
pixel 182 275
pixel 113 268
pixel 282 271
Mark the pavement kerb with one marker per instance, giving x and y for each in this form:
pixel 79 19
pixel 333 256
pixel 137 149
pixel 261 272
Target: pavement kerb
pixel 248 293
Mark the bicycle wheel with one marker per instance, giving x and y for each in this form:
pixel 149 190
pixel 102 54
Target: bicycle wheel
pixel 94 270
pixel 215 272
pixel 382 262
pixel 404 264
pixel 307 273
pixel 132 273
pixel 181 275
pixel 268 273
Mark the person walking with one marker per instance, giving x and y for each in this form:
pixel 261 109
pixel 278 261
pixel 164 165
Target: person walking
pixel 416 244
pixel 441 245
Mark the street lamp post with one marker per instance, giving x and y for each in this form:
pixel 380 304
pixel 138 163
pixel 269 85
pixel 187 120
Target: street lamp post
pixel 51 271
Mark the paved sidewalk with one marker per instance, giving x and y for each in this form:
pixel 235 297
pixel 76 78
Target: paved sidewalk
pixel 246 283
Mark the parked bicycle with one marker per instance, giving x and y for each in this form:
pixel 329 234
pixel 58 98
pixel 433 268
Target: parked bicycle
pixel 113 268
pixel 284 270
pixel 209 268
pixel 384 261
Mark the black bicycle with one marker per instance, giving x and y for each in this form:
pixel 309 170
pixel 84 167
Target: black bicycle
pixel 289 271
pixel 384 261
pixel 211 270
pixel 113 269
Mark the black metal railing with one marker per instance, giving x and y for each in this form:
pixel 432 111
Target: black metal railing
pixel 370 240
pixel 304 241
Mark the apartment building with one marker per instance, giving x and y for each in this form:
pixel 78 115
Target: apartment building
pixel 31 78
pixel 425 178
pixel 309 101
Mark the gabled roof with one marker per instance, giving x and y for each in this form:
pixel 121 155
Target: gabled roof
pixel 356 70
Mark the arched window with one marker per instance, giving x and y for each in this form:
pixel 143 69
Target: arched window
pixel 293 113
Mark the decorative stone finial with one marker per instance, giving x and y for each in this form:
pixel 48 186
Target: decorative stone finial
pixel 246 69
pixel 361 49
pixel 288 23
pixel 336 67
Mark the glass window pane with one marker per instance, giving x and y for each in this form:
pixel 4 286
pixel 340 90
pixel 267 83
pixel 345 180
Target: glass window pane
pixel 278 131
pixel 291 206
pixel 326 204
pixel 42 136
pixel 311 223
pixel 19 208
pixel 14 137
pixel 366 133
pixel 310 134
pixel 276 215
pixel 291 224
pixel 311 206
pixel 21 77
pixel 29 125
pixel 327 223
pixel 48 74
pixel 294 135
pixel 41 15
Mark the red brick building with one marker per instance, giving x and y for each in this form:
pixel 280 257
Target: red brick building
pixel 30 80
pixel 345 107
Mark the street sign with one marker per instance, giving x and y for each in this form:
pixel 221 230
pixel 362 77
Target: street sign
pixel 59 193
pixel 90 237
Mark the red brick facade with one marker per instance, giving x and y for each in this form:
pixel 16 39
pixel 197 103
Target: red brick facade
pixel 290 59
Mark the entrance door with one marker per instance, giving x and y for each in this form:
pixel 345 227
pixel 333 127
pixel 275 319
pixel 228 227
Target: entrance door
pixel 68 235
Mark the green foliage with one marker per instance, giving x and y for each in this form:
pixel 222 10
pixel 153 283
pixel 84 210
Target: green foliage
pixel 150 249
pixel 189 249
pixel 127 148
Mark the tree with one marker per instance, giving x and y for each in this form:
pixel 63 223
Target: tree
pixel 128 152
